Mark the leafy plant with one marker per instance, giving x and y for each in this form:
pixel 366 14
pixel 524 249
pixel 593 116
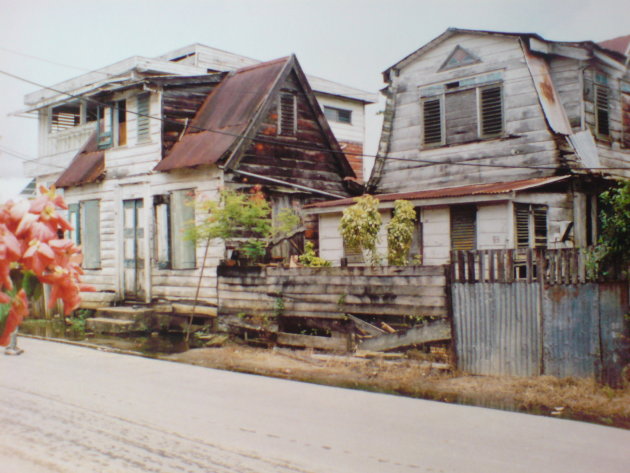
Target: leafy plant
pixel 359 226
pixel 310 259
pixel 400 233
pixel 612 253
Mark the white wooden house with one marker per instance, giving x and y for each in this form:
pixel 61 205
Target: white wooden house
pixel 134 144
pixel 544 124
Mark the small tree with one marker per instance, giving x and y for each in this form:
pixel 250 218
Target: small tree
pixel 244 219
pixel 310 259
pixel 360 224
pixel 612 252
pixel 400 233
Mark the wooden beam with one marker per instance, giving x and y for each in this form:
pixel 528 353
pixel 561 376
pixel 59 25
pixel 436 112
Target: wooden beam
pixel 432 332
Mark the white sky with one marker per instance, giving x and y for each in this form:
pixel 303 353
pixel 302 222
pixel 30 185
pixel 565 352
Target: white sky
pixel 348 41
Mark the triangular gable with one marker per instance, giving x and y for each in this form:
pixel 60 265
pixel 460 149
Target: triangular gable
pixel 293 71
pixel 459 57
pixel 231 115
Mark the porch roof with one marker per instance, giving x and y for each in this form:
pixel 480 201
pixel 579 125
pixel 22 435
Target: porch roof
pixel 86 167
pixel 495 188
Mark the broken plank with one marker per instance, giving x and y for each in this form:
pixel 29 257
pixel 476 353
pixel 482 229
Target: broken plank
pixel 439 330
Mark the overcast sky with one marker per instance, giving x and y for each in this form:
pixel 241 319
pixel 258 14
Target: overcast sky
pixel 348 41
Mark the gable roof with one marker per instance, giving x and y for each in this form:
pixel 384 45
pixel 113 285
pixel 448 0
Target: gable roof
pixel 225 116
pixel 232 112
pixel 450 32
pixel 87 166
pixel 621 44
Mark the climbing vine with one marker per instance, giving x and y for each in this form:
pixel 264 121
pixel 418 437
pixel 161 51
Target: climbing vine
pixel 360 224
pixel 400 233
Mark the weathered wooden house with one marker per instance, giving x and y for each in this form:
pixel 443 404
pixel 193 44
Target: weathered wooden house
pixel 155 141
pixel 501 140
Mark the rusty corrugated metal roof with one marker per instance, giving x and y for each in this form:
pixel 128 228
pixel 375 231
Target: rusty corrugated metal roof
pixel 620 44
pixel 228 110
pixel 462 191
pixel 86 167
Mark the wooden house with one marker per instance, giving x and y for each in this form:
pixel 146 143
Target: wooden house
pixel 501 140
pixel 154 142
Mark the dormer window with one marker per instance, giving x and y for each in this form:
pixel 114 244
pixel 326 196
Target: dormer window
pixel 287 114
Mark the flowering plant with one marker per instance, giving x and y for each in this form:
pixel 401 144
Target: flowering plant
pixel 31 253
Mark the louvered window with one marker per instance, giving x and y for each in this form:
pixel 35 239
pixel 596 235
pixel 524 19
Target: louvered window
pixel 531 225
pixel 625 118
pixel 64 117
pixel 143 119
pixel 602 107
pixel 432 119
pixel 287 123
pixel 464 227
pixel 491 111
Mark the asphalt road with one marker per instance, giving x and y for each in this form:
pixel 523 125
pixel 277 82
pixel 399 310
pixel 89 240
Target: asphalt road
pixel 71 409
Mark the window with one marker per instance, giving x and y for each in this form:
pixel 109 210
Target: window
pixel 105 127
pixel 174 213
pixel 340 115
pixel 121 119
pixel 143 120
pixel 432 119
pixel 64 117
pixel 602 124
pixel 490 111
pixel 531 225
pixel 85 219
pixel 287 111
pixel 625 115
pixel 463 227
pixel 462 111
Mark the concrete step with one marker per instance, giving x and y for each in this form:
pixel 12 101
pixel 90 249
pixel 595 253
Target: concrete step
pixel 123 312
pixel 112 326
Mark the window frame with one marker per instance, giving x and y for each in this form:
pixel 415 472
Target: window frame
pixel 143 118
pixel 480 112
pixel 475 227
pixel 440 99
pixel 334 114
pixel 532 225
pixel 169 229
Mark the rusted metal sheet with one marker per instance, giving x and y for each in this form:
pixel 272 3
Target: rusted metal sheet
pixel 549 99
pixel 497 328
pixel 615 333
pixel 584 145
pixel 86 167
pixel 571 328
pixel 228 110
pixel 461 191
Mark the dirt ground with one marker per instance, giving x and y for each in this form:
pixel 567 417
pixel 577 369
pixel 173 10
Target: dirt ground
pixel 412 374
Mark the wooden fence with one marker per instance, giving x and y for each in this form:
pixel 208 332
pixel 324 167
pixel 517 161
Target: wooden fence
pixel 332 292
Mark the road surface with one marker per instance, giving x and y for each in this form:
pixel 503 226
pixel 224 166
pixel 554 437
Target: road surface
pixel 71 409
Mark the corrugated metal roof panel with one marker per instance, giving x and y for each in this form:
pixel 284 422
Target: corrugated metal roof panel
pixel 462 191
pixel 620 44
pixel 86 167
pixel 227 111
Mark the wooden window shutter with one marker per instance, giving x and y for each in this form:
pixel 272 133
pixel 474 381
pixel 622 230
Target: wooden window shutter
pixel 491 111
pixel 143 117
pixel 464 227
pixel 287 123
pixel 91 234
pixel 182 216
pixel 460 116
pixel 602 114
pixel 75 221
pixel 432 120
pixel 521 217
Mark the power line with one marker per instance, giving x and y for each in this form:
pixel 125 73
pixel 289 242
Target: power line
pixel 299 145
pixel 53 62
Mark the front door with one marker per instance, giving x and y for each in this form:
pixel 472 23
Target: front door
pixel 133 249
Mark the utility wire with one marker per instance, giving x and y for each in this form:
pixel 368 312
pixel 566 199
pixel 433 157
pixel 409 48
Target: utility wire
pixel 297 145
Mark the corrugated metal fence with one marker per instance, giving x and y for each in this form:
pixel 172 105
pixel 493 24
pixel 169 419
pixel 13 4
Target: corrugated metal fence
pixel 527 313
